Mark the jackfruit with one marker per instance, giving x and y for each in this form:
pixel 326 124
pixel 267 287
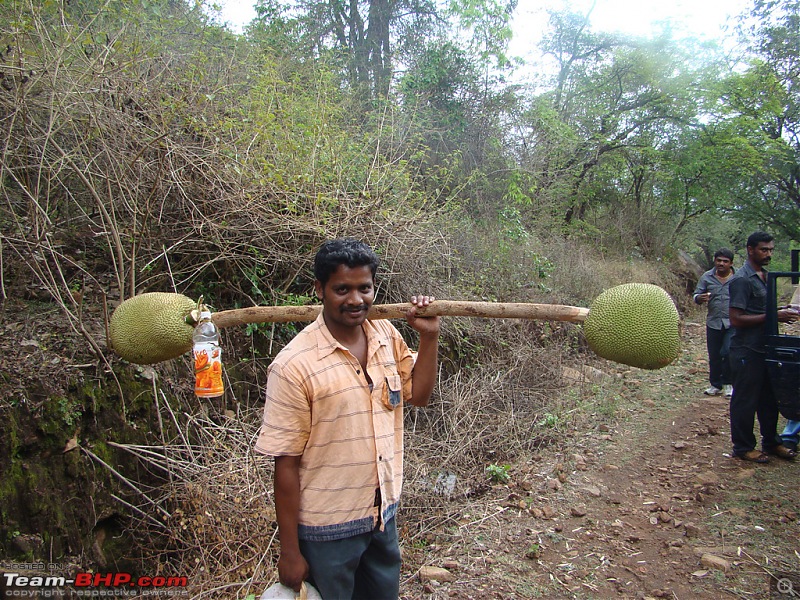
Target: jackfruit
pixel 151 327
pixel 634 324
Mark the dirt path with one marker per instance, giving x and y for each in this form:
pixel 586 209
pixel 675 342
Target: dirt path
pixel 644 502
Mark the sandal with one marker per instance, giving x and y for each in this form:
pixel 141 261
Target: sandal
pixel 755 456
pixel 782 452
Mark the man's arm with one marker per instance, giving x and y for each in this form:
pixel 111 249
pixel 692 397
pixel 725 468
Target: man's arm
pixel 739 299
pixel 741 319
pixel 423 377
pixel 701 294
pixel 292 567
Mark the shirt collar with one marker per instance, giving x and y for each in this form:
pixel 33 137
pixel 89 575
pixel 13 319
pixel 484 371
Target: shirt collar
pixel 750 271
pixel 327 344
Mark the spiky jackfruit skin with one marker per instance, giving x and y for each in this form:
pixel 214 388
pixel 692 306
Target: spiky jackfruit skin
pixel 634 324
pixel 151 327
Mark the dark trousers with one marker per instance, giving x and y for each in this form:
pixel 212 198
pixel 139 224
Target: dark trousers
pixel 362 567
pixel 752 395
pixel 718 342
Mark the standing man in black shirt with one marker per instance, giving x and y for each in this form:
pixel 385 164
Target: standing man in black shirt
pixel 752 388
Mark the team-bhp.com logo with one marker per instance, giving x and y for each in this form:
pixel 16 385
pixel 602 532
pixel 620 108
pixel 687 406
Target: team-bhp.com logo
pixel 90 584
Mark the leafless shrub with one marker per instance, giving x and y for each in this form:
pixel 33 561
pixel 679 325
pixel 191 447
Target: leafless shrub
pixel 213 518
pixel 487 413
pixel 125 170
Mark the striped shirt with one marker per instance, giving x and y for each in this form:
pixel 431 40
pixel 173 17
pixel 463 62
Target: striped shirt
pixel 349 434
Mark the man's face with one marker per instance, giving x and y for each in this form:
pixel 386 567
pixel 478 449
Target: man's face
pixel 347 296
pixel 723 265
pixel 762 253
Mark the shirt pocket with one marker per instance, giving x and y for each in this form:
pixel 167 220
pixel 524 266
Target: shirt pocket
pixel 392 391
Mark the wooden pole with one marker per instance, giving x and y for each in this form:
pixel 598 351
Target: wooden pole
pixel 441 308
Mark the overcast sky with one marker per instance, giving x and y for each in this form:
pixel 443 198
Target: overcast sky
pixel 702 18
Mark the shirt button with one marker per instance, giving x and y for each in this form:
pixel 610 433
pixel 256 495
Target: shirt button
pixel 358 371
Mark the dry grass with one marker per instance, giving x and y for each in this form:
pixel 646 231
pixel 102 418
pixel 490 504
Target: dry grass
pixel 125 171
pixel 583 272
pixel 213 519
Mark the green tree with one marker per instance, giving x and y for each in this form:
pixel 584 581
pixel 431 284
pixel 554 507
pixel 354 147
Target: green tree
pixel 454 112
pixel 489 22
pixel 616 105
pixel 369 36
pixel 764 103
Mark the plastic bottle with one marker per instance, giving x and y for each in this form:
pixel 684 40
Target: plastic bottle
pixel 207 358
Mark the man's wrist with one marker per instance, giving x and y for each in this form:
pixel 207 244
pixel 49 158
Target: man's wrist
pixel 291 550
pixel 429 338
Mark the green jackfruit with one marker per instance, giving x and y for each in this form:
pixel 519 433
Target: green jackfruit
pixel 634 324
pixel 151 327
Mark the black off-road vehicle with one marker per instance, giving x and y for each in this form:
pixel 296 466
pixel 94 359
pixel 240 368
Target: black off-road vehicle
pixel 783 351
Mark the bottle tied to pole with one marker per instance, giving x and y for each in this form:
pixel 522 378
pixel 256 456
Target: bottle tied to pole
pixel 207 356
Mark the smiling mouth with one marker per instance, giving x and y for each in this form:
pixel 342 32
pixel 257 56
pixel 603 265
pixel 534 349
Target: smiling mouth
pixel 355 311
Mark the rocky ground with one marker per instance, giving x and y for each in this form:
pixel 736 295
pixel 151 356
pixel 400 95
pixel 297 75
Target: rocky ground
pixel 642 501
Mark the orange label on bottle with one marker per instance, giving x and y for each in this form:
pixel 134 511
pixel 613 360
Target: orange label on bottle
pixel 208 371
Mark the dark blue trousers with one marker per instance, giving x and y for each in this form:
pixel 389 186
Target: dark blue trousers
pixel 718 342
pixel 362 567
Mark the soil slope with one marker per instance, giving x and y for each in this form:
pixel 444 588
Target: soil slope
pixel 645 502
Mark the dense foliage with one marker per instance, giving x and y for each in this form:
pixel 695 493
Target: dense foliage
pixel 169 137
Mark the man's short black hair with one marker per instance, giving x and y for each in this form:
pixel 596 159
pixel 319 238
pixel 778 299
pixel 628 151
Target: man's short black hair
pixel 725 253
pixel 343 251
pixel 757 238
